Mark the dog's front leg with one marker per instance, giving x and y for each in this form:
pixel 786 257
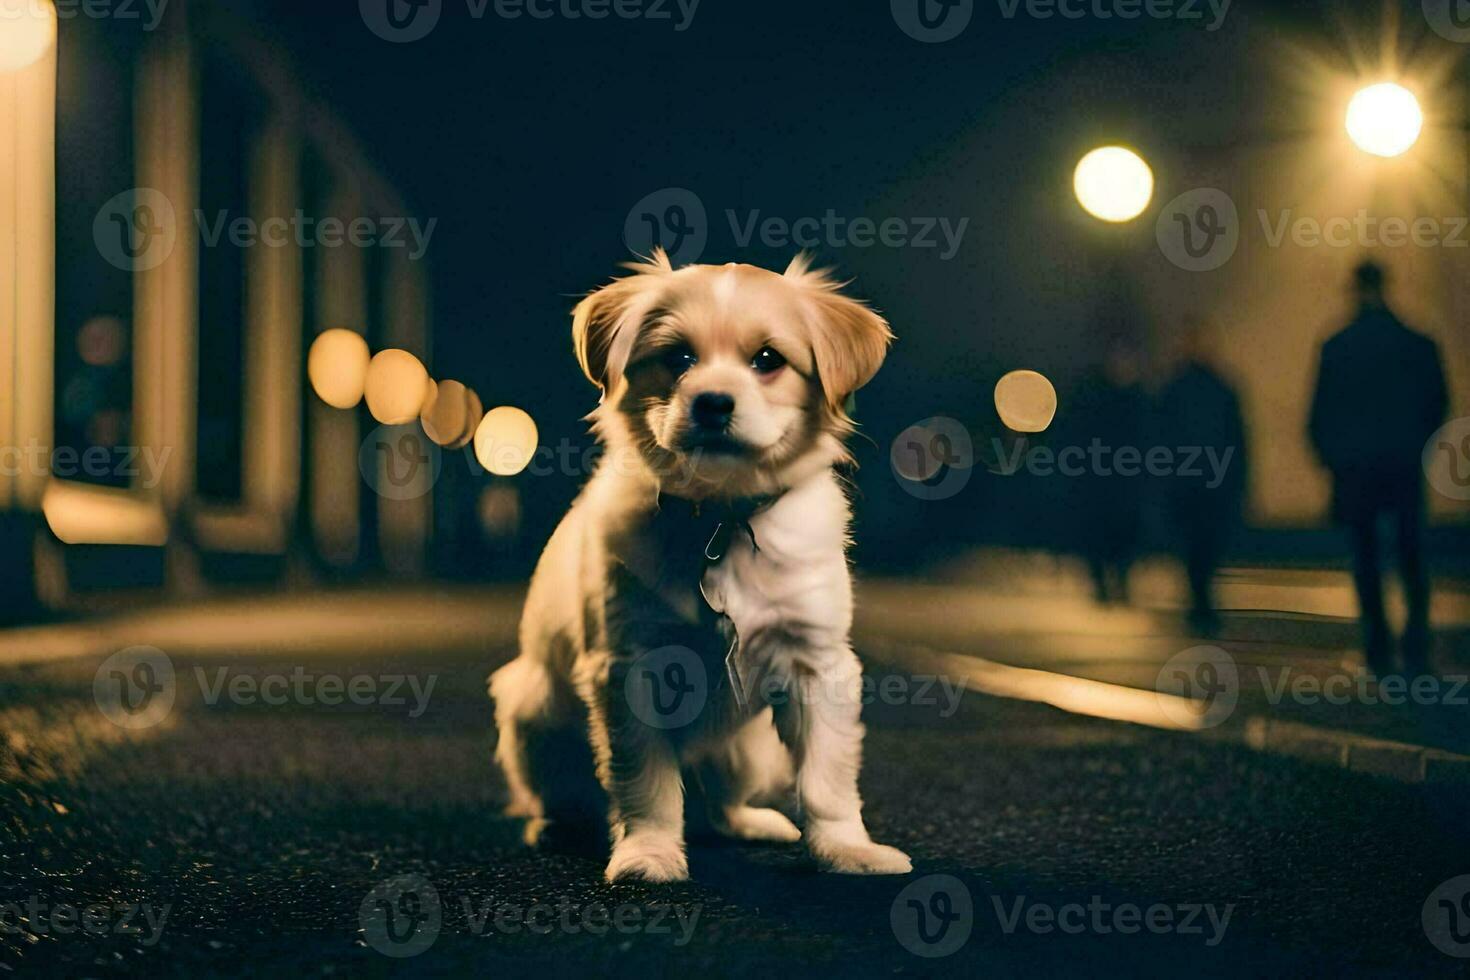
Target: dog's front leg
pixel 639 769
pixel 819 719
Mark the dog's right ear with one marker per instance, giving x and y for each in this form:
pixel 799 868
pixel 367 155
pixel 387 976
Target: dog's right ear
pixel 604 324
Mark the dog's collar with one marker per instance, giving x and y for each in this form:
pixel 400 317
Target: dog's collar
pixel 721 517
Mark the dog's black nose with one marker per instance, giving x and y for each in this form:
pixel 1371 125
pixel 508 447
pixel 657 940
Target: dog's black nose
pixel 713 410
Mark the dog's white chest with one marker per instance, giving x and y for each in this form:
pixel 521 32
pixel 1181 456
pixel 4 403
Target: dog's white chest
pixel 785 584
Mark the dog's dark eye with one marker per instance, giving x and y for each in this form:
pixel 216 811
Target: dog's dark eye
pixel 767 360
pixel 680 360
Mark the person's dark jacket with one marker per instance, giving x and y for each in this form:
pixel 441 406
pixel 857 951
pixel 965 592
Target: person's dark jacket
pixel 1380 396
pixel 1198 410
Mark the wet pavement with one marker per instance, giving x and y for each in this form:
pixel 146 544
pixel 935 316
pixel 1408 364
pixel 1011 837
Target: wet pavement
pixel 319 800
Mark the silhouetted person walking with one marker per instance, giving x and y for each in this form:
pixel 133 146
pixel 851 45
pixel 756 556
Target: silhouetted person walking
pixel 1113 410
pixel 1200 412
pixel 1380 396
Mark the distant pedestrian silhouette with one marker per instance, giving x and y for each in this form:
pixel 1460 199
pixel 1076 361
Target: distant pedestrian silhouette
pixel 1199 412
pixel 1380 395
pixel 1113 412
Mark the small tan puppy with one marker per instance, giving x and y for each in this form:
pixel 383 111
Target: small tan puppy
pixel 692 610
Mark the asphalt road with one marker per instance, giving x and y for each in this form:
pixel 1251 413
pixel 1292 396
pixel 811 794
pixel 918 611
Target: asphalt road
pixel 237 836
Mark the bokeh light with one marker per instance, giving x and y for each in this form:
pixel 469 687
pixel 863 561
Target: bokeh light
pixel 1385 120
pixel 396 387
pixel 1113 183
pixel 102 341
pixel 337 366
pixel 1026 401
pixel 505 440
pixel 27 31
pixel 500 511
pixel 446 414
pixel 476 413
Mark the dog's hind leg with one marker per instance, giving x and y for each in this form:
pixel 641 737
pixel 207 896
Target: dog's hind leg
pixel 542 749
pixel 751 766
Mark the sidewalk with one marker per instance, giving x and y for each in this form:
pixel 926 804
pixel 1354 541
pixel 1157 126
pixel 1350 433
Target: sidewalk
pixel 1282 675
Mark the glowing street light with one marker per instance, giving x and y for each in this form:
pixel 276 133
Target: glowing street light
pixel 505 440
pixel 396 386
pixel 1385 120
pixel 27 31
pixel 337 365
pixel 1025 401
pixel 1113 183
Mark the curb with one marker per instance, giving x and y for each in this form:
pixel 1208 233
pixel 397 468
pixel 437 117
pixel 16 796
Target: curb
pixel 1400 761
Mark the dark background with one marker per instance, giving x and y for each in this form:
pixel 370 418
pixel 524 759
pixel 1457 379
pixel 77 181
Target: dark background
pixel 530 140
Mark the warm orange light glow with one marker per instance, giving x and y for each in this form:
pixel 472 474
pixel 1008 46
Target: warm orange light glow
pixel 505 441
pixel 1385 120
pixel 1113 183
pixel 337 366
pixel 446 414
pixel 81 514
pixel 476 412
pixel 396 387
pixel 27 31
pixel 1026 401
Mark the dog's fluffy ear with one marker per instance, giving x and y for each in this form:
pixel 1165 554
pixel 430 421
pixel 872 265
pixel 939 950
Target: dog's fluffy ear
pixel 849 340
pixel 604 324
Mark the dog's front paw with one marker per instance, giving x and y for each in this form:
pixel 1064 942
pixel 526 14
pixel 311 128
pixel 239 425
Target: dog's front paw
pixel 650 857
pixel 865 859
pixel 850 851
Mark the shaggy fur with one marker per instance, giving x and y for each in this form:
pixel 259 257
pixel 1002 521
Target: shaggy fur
pixel 625 576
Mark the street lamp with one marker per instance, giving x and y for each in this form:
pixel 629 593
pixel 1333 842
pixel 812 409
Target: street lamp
pixel 1113 183
pixel 27 32
pixel 1385 120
